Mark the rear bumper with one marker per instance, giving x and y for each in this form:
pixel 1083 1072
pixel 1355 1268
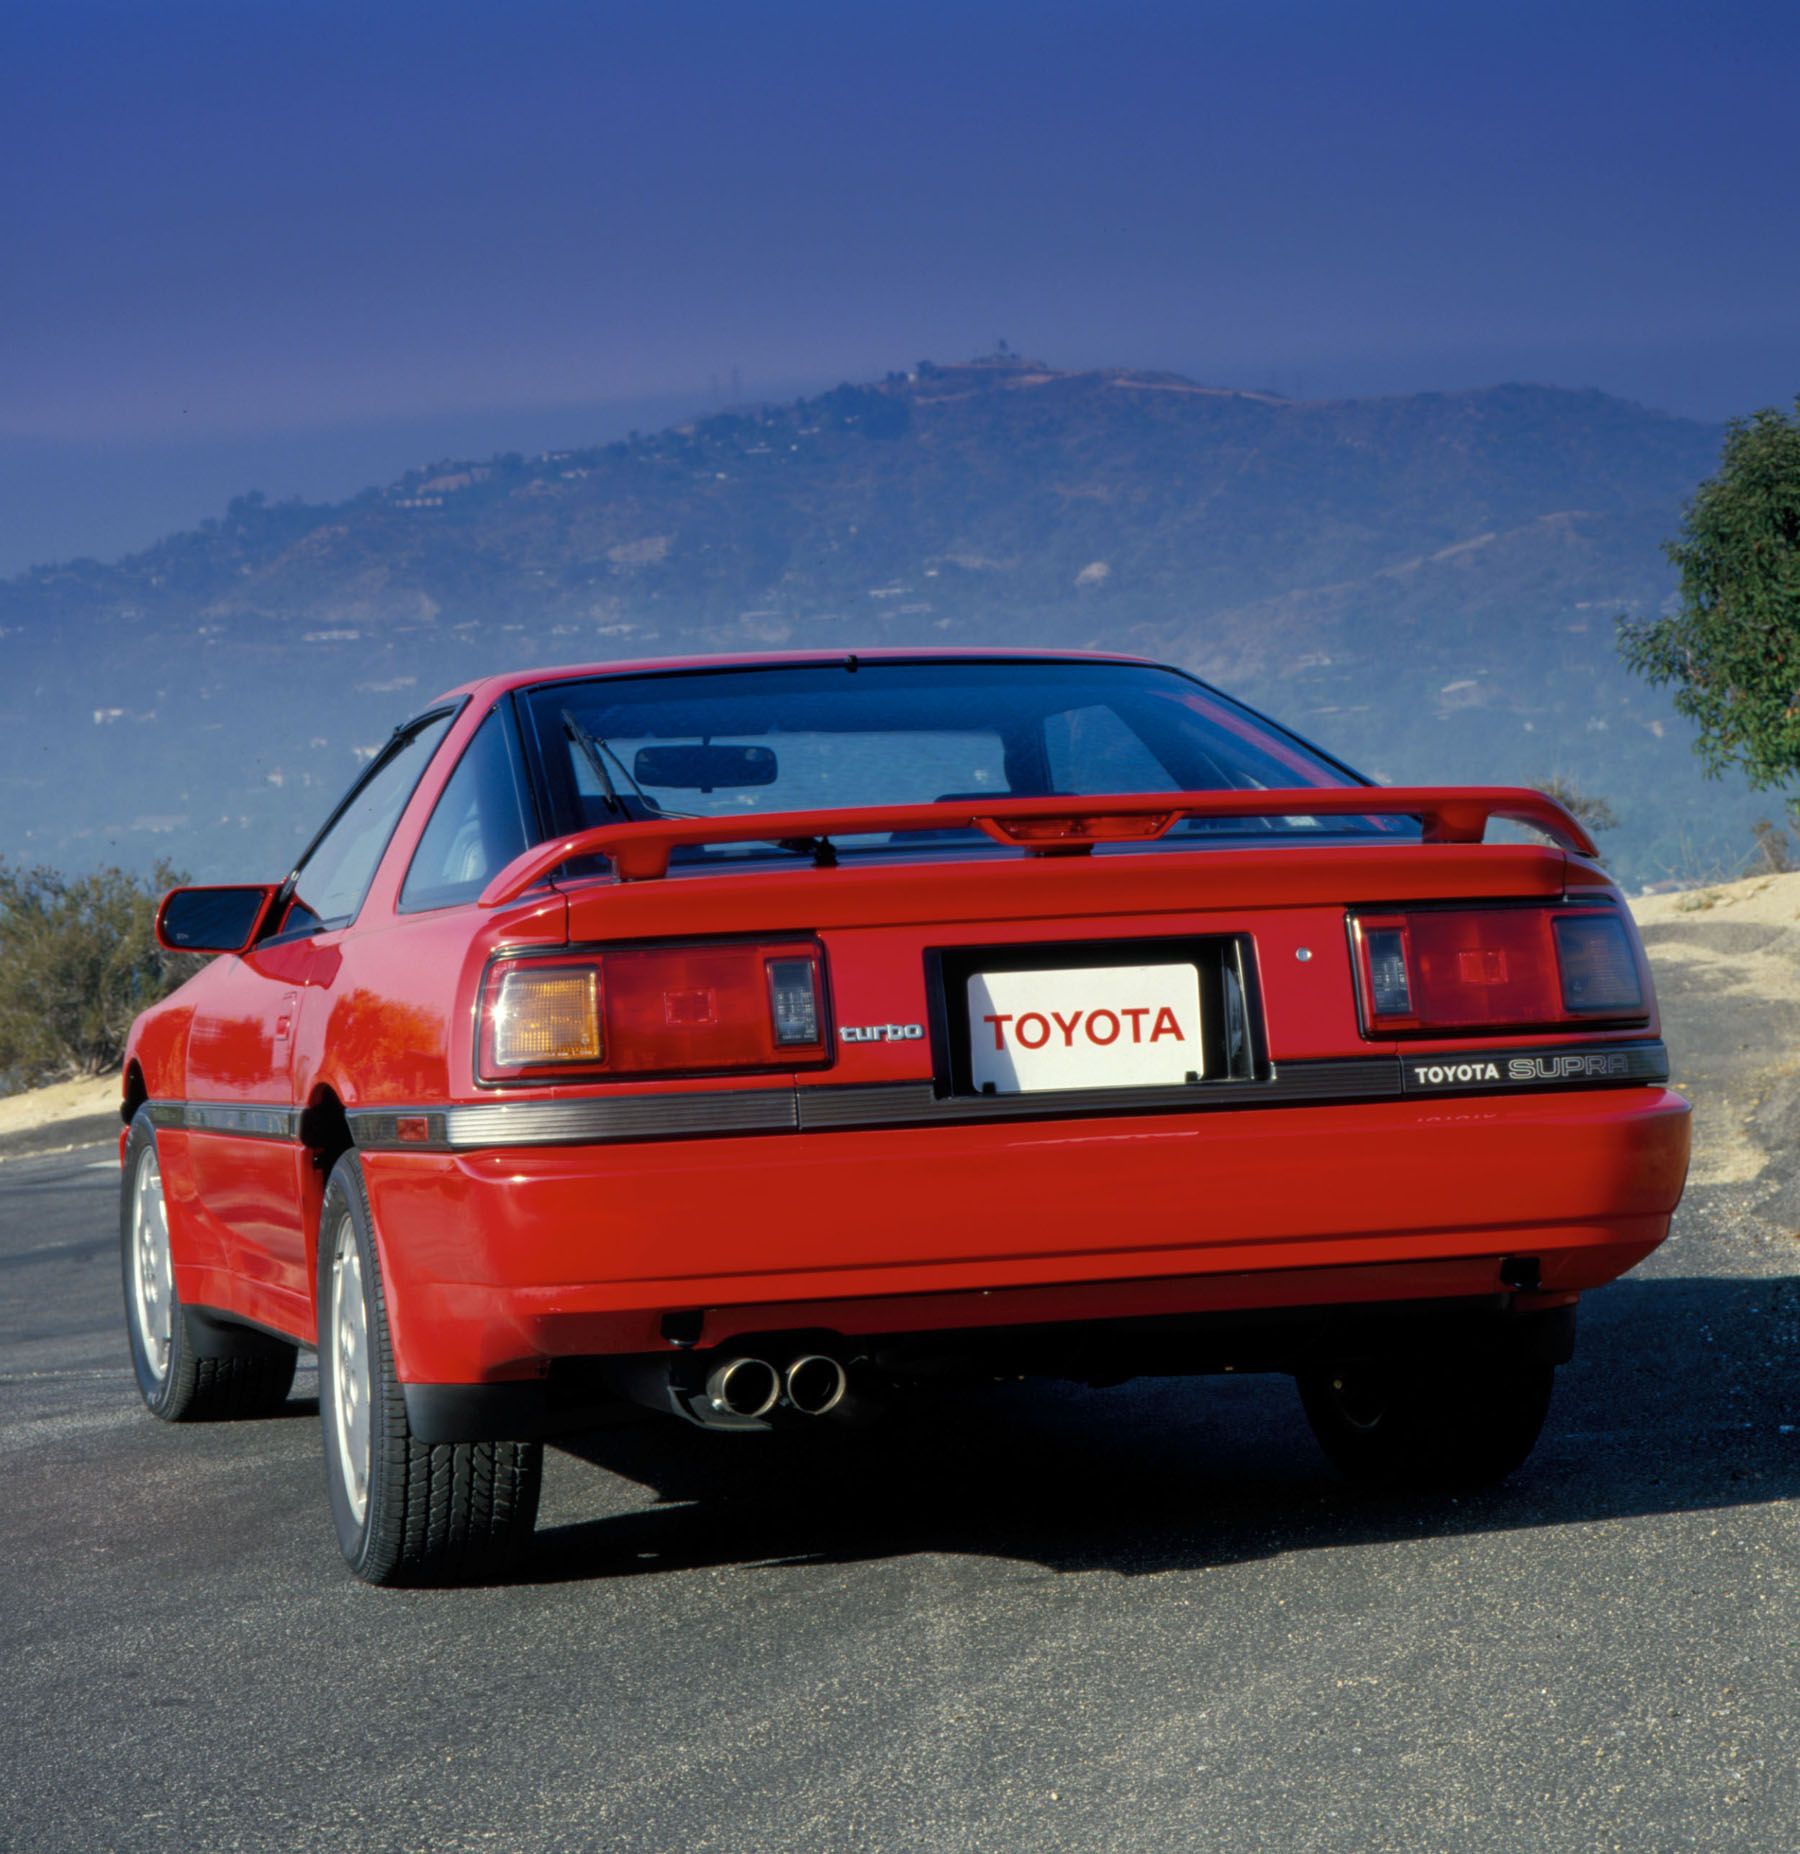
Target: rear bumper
pixel 499 1262
pixel 586 1393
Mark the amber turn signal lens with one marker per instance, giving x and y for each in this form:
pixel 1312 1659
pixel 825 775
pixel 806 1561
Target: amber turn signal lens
pixel 546 1014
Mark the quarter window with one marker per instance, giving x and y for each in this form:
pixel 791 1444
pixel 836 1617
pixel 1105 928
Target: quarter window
pixel 476 828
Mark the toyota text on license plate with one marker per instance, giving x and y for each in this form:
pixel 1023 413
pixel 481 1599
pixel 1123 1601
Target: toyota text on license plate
pixel 1094 1027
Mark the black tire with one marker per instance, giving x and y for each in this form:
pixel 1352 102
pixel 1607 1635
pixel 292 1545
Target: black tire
pixel 1438 1423
pixel 190 1368
pixel 459 1512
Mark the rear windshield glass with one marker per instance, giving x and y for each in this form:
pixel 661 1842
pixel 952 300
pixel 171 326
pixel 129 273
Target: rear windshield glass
pixel 720 743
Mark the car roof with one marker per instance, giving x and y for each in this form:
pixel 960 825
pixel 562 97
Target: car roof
pixel 486 689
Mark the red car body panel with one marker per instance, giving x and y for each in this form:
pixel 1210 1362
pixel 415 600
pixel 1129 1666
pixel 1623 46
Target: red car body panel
pixel 501 1260
pixel 505 1260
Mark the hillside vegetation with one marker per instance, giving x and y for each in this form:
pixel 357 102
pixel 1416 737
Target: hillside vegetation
pixel 1429 586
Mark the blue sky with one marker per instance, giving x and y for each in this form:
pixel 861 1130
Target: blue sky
pixel 300 246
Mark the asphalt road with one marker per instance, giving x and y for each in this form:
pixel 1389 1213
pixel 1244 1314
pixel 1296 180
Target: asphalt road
pixel 1141 1619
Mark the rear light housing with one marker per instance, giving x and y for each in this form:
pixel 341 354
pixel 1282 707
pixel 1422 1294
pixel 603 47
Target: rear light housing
pixel 1049 835
pixel 720 1007
pixel 1458 970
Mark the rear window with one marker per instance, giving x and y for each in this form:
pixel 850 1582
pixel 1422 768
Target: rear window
pixel 716 743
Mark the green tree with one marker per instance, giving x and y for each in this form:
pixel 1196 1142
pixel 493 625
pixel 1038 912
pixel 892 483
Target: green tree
pixel 1732 648
pixel 78 961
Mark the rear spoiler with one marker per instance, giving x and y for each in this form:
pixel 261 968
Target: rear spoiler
pixel 640 852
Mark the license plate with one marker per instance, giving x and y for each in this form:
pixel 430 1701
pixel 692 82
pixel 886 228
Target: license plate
pixel 1093 1027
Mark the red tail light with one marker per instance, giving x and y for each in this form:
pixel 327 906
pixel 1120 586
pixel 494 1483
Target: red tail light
pixel 654 1010
pixel 1432 971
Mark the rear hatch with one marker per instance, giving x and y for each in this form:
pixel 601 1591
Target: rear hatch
pixel 1031 986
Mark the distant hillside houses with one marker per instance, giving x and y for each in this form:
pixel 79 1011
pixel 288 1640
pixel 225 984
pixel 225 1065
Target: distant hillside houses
pixel 1427 584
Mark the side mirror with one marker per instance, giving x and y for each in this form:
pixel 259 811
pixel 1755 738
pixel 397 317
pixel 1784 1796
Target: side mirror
pixel 212 920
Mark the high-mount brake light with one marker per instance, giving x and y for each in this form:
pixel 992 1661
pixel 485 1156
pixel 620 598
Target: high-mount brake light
pixel 1438 971
pixel 655 1010
pixel 1078 833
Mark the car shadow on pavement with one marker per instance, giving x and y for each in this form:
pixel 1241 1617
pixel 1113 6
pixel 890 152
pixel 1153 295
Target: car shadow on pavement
pixel 1684 1395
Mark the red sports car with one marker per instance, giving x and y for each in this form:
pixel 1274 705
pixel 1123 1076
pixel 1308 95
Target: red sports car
pixel 755 1038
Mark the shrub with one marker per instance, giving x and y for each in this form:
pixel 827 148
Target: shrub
pixel 1774 853
pixel 78 961
pixel 1585 807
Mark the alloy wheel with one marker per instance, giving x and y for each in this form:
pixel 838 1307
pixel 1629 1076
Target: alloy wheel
pixel 152 1272
pixel 349 1327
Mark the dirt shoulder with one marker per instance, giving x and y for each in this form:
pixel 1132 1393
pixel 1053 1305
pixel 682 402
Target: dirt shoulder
pixel 69 1114
pixel 1762 901
pixel 1727 965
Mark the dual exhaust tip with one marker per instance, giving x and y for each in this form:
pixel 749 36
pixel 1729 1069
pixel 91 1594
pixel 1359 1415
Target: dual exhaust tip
pixel 812 1384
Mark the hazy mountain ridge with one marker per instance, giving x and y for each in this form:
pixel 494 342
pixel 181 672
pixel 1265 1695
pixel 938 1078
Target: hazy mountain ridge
pixel 1428 585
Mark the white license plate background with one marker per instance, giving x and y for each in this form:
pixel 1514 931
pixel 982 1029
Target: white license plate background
pixel 1096 1027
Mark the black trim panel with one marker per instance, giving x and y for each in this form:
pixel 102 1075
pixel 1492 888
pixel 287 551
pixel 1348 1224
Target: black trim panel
pixel 1361 1078
pixel 281 1123
pixel 579 1123
pixel 515 1412
pixel 218 1334
pixel 828 1107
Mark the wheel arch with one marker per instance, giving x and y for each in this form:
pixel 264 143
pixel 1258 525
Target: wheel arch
pixel 324 1139
pixel 156 1054
pixel 133 1093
